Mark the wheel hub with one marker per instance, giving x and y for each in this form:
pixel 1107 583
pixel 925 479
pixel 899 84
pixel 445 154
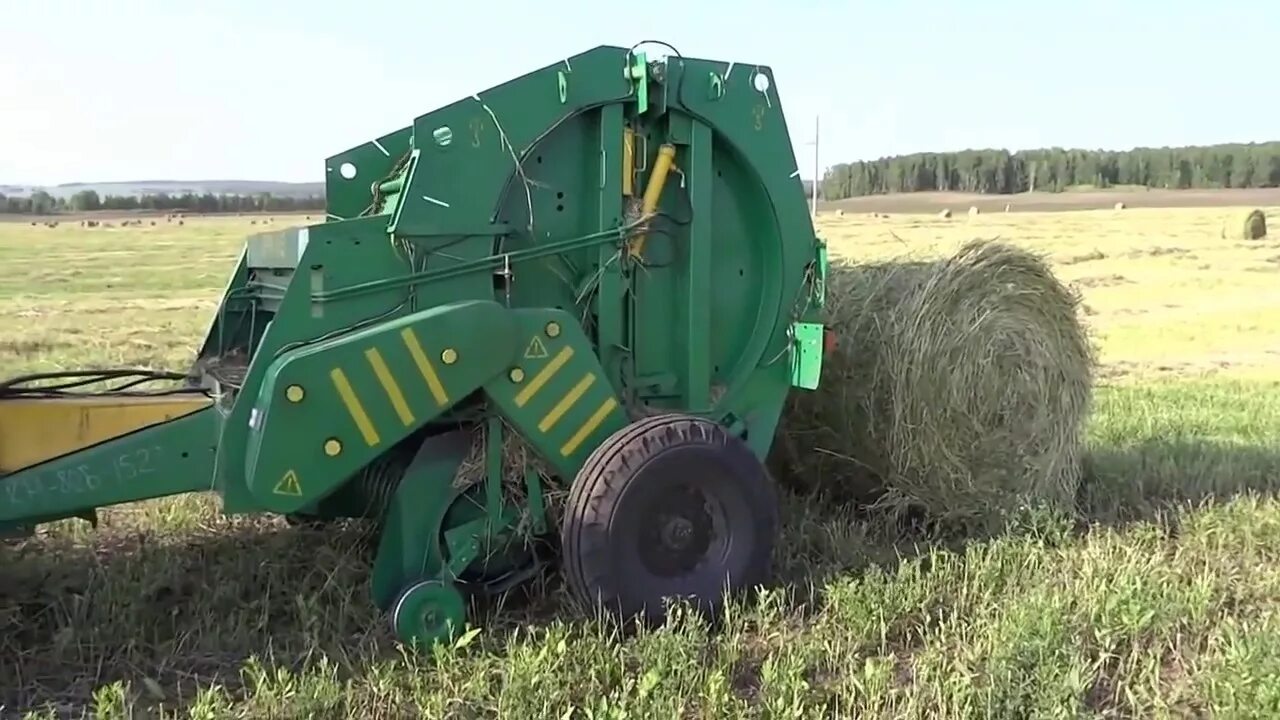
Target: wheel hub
pixel 686 528
pixel 677 532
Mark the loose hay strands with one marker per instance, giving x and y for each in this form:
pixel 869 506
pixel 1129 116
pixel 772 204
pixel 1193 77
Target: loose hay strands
pixel 517 458
pixel 959 388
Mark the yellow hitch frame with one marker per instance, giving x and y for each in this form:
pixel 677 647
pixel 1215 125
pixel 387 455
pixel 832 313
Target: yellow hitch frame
pixel 33 430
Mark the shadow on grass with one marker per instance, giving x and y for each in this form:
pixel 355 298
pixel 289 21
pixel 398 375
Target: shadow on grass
pixel 1155 481
pixel 180 608
pixel 174 611
pixel 1148 479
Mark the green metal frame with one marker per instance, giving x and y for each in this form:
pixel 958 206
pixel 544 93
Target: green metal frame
pixel 475 270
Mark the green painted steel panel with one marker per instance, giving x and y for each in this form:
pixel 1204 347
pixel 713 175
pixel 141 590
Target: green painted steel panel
pixel 350 175
pixel 556 392
pixel 366 391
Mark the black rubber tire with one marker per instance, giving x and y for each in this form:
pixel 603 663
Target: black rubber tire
pixel 610 556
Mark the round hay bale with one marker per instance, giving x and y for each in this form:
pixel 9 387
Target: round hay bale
pixel 839 212
pixel 945 213
pixel 1246 225
pixel 973 210
pixel 1120 206
pixel 959 388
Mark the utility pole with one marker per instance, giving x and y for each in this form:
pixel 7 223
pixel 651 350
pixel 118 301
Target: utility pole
pixel 813 200
pixel 816 178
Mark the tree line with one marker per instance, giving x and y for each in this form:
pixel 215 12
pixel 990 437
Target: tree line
pixel 1252 165
pixel 42 203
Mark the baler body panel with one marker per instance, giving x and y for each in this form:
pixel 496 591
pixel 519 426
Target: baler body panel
pixel 550 260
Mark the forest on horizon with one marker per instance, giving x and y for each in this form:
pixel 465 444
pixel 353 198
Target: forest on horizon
pixel 995 172
pixel 987 171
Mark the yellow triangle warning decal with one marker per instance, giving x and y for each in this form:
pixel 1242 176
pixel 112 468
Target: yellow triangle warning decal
pixel 535 350
pixel 289 485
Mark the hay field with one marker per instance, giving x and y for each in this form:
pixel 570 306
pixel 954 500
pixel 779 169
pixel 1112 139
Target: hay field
pixel 1166 295
pixel 1161 602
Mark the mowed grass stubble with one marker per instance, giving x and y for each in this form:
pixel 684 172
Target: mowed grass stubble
pixel 1162 604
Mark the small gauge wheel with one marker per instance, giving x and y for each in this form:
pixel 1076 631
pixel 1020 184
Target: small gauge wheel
pixel 428 612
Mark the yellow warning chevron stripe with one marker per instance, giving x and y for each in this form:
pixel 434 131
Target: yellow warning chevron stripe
pixel 553 416
pixel 528 391
pixel 354 408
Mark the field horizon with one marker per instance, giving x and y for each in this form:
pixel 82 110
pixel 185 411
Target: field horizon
pixel 1159 596
pixel 929 202
pixel 901 203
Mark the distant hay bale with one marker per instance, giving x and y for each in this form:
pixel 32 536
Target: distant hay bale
pixel 973 210
pixel 945 213
pixel 839 212
pixel 959 388
pixel 1120 206
pixel 1246 225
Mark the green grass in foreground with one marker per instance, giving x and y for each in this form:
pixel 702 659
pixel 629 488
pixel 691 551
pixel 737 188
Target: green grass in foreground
pixel 1162 602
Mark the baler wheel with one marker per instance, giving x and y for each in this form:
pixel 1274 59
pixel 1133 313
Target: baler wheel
pixel 428 612
pixel 671 506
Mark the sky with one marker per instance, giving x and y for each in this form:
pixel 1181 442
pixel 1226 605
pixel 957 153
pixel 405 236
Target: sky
pixel 98 91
